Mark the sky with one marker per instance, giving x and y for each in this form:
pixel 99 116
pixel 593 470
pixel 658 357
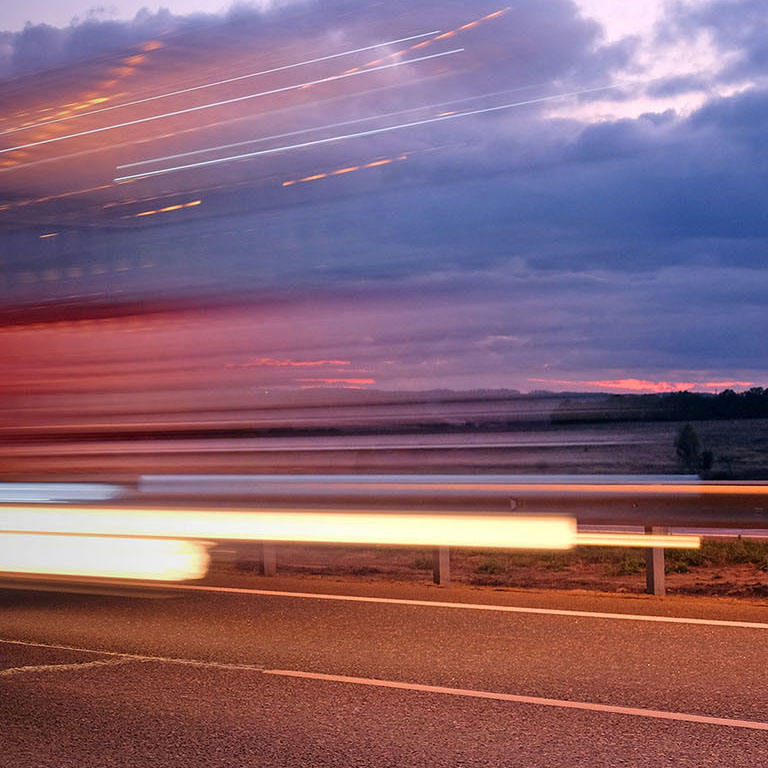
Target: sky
pixel 612 241
pixel 60 13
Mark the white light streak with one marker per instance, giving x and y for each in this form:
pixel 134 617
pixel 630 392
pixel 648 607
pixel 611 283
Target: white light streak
pixel 362 134
pixel 93 556
pixel 202 127
pixel 299 525
pixel 53 492
pixel 224 102
pixel 219 82
pixel 341 124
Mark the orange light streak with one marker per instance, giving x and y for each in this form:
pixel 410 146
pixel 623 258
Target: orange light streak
pixel 168 208
pixel 442 36
pixel 49 234
pixel 621 539
pixel 603 489
pixel 59 196
pixel 347 169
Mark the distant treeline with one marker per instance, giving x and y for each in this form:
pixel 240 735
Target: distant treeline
pixel 672 406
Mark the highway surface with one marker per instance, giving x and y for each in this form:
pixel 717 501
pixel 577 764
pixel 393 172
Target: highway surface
pixel 221 677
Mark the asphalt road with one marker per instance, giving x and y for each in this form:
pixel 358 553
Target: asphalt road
pixel 228 679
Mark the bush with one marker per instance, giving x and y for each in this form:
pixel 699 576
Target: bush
pixel 490 565
pixel 629 565
pixel 688 448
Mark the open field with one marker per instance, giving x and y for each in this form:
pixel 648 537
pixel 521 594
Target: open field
pixel 739 448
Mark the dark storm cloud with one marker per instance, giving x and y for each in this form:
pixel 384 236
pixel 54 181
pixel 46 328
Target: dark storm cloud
pixel 521 196
pixel 639 187
pixel 630 195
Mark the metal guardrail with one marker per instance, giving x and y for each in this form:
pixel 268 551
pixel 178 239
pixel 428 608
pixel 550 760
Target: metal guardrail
pixel 654 502
pixel 52 493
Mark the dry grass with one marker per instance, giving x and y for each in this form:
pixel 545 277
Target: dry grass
pixel 734 566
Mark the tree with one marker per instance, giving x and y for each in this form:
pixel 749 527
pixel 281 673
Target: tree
pixel 688 448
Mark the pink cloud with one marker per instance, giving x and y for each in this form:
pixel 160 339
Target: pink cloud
pixel 726 384
pixel 626 385
pixel 352 382
pixel 271 362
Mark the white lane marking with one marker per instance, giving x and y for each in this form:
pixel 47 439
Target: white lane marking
pixel 562 703
pixel 132 656
pixel 474 606
pixel 464 692
pixel 63 667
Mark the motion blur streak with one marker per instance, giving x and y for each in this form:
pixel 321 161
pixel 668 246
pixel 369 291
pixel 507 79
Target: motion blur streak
pixel 372 132
pixel 343 171
pixel 169 208
pixel 110 557
pixel 620 539
pixel 631 489
pixel 313 129
pixel 48 198
pixel 425 43
pixel 57 492
pixel 224 102
pixel 354 527
pixel 283 68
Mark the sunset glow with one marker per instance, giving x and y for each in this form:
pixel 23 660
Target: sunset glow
pixel 644 385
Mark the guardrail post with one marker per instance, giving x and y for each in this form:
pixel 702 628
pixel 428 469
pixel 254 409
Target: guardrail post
pixel 654 564
pixel 441 566
pixel 268 558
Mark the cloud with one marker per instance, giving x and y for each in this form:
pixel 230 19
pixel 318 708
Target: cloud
pixel 355 382
pixel 737 28
pixel 539 42
pixel 270 362
pixel 623 385
pixel 625 254
pixel 646 386
pixel 41 46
